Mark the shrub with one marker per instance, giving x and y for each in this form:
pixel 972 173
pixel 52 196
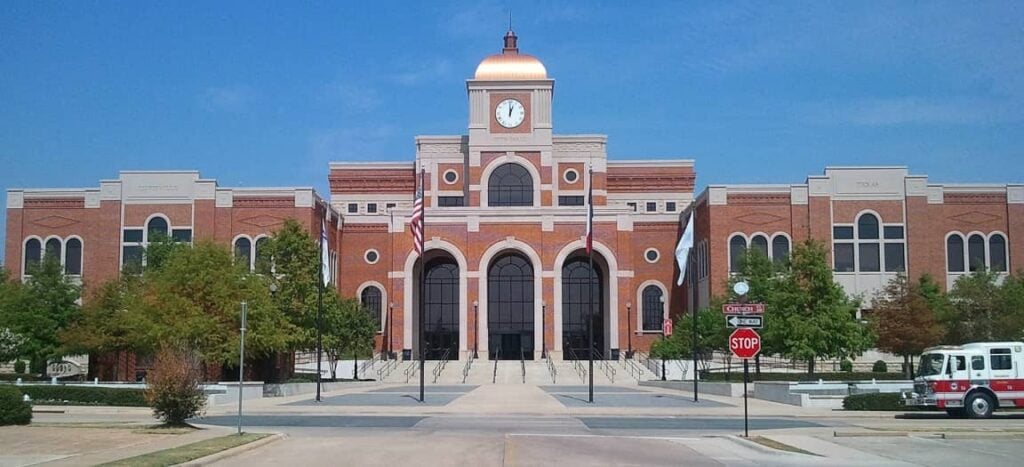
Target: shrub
pixel 19 366
pixel 888 401
pixel 45 394
pixel 846 366
pixel 737 376
pixel 13 410
pixel 174 391
pixel 37 366
pixel 879 367
pixel 23 376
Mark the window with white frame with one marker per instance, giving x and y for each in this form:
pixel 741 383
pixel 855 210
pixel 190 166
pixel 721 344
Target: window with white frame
pixel 978 253
pixel 253 255
pixel 66 251
pixel 868 246
pixel 372 300
pixel 777 250
pixel 134 240
pixel 33 255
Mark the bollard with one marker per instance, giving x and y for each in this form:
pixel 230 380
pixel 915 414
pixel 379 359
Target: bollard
pixel 26 398
pixel 18 382
pixel 53 380
pixel 821 381
pixel 95 381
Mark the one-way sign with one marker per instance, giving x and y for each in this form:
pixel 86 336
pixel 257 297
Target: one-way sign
pixel 741 321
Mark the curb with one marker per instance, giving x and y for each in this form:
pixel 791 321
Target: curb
pixel 202 461
pixel 871 434
pixel 752 445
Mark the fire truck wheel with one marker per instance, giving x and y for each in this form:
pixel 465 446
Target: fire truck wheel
pixel 979 405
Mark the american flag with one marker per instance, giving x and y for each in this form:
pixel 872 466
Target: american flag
pixel 590 211
pixel 416 222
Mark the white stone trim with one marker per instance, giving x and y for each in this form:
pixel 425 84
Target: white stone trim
pixel 640 304
pixel 657 255
pixel 565 175
pixel 498 162
pixel 366 255
pixel 15 199
pixel 612 331
pixel 383 300
pixel 407 301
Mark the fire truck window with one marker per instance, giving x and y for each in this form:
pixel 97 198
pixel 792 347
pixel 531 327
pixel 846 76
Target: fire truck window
pixel 977 362
pixel 961 363
pixel 1001 359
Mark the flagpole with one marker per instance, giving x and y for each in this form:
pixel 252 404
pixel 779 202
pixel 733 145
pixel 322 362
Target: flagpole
pixel 320 307
pixel 590 285
pixel 423 276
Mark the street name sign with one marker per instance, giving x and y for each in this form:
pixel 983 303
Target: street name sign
pixel 744 321
pixel 743 308
pixel 744 343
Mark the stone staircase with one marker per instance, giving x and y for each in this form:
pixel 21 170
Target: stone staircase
pixel 606 373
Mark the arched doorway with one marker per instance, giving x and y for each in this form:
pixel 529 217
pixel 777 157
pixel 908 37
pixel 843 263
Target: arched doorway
pixel 510 308
pixel 583 298
pixel 441 309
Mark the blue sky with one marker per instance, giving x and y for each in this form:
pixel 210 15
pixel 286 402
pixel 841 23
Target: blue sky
pixel 258 94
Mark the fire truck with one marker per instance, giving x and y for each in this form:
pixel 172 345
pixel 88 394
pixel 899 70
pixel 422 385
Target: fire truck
pixel 970 380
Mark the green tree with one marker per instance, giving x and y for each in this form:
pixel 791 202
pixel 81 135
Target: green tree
pixel 766 279
pixel 975 312
pixel 903 321
pixel 348 329
pixel 815 315
pixel 295 259
pixel 115 319
pixel 39 310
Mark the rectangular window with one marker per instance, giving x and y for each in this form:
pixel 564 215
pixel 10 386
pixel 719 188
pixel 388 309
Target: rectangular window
pixel 182 235
pixel 389 206
pixel 651 207
pixel 631 206
pixel 132 235
pixel 844 257
pixel 894 232
pixel 894 258
pixel 371 208
pixel 842 232
pixel 869 257
pixel 670 206
pixel 570 201
pixel 132 258
pixel 451 201
pixel 353 208
pixel 1001 359
pixel 977 362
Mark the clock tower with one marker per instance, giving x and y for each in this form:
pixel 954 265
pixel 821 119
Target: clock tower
pixel 510 103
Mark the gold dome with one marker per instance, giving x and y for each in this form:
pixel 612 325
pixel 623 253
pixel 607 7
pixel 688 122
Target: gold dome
pixel 510 65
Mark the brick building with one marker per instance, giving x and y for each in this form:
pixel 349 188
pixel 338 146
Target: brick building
pixel 876 221
pixel 505 271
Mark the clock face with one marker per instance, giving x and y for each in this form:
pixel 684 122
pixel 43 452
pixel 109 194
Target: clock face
pixel 509 113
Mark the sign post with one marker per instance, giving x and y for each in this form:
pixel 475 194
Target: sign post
pixel 666 332
pixel 241 363
pixel 745 344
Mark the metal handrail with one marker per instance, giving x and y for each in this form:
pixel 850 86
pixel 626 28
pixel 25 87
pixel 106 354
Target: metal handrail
pixel 633 369
pixel 439 367
pixel 608 370
pixel 497 357
pixel 386 370
pixel 646 360
pixel 411 370
pixel 465 369
pixel 365 366
pixel 551 366
pixel 581 371
pixel 522 363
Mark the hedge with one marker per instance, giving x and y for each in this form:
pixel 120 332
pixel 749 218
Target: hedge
pixel 886 401
pixel 737 376
pixel 24 377
pixel 13 410
pixel 84 395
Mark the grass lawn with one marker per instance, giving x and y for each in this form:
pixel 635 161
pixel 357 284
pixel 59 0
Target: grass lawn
pixel 189 451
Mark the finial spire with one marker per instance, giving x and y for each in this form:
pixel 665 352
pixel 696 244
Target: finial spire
pixel 511 46
pixel 510 19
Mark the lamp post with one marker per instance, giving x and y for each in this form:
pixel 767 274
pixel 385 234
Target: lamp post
pixel 629 334
pixel 391 314
pixel 662 301
pixel 543 328
pixel 241 361
pixel 476 333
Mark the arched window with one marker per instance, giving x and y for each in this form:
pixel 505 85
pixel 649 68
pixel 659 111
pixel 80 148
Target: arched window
pixel 976 253
pixel 780 249
pixel 997 253
pixel 510 307
pixel 371 300
pixel 654 308
pixel 510 185
pixel 157 227
pixel 737 247
pixel 263 262
pixel 441 309
pixel 759 243
pixel 73 257
pixel 582 299
pixel 243 252
pixel 52 249
pixel 33 254
pixel 955 253
pixel 868 251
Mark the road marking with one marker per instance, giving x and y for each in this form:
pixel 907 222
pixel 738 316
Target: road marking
pixel 562 435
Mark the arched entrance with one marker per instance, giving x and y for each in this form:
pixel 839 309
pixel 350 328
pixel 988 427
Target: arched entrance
pixel 510 308
pixel 441 308
pixel 583 299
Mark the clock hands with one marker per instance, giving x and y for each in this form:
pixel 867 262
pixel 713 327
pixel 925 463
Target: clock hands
pixel 510 110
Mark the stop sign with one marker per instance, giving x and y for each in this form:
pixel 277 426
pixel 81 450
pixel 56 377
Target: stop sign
pixel 744 343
